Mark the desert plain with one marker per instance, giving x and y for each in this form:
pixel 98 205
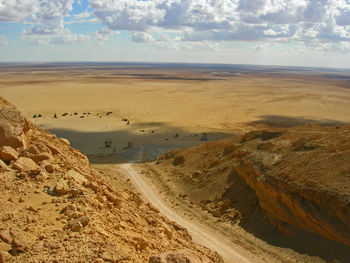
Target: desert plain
pixel 168 106
pixel 117 113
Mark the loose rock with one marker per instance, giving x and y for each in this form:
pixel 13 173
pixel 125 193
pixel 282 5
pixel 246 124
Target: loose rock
pixel 7 154
pixel 24 164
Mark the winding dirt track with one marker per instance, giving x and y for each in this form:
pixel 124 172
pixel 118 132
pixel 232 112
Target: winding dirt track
pixel 200 234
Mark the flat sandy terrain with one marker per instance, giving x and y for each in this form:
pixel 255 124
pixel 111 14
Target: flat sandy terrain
pixel 161 101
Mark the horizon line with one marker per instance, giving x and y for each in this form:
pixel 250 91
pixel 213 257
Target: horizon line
pixel 165 63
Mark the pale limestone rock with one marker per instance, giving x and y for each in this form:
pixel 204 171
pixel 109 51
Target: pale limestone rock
pixel 12 127
pixel 62 186
pixel 42 148
pixel 24 164
pixel 40 157
pixel 77 177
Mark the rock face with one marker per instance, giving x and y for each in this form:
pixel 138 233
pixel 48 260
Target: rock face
pixel 12 126
pixel 55 208
pixel 7 153
pixel 297 178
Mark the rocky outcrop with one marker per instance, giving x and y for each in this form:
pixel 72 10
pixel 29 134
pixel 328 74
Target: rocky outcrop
pixel 297 178
pixel 12 126
pixel 55 208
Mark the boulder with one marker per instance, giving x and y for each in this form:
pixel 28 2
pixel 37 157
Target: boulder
pixel 12 127
pixel 62 187
pixel 40 157
pixel 7 154
pixel 27 165
pixel 41 147
pixel 70 182
pixel 38 153
pixel 76 177
pixel 179 256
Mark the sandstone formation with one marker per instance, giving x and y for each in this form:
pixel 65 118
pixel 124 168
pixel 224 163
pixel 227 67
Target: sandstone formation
pixel 296 178
pixel 55 208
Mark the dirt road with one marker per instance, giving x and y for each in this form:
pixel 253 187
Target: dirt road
pixel 200 233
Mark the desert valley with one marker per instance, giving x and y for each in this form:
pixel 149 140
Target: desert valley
pixel 136 162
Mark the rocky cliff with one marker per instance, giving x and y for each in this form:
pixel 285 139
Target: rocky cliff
pixel 297 179
pixel 54 207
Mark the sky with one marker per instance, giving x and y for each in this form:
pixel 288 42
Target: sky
pixel 261 32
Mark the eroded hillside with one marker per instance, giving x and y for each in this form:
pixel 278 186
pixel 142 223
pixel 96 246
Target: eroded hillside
pixel 54 207
pixel 296 180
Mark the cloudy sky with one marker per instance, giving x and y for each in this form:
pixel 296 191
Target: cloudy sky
pixel 269 32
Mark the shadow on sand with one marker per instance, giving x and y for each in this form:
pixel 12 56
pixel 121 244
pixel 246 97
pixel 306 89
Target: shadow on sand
pixel 154 138
pixel 278 121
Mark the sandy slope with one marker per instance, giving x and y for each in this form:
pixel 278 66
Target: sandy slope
pixel 201 234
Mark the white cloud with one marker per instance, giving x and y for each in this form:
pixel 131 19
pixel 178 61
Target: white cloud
pixel 157 21
pixel 62 37
pixel 127 14
pixel 142 37
pixel 48 23
pixel 230 20
pixel 52 12
pixel 3 41
pixel 17 11
pixel 103 34
pixel 41 30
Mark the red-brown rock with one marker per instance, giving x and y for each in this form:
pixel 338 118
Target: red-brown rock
pixel 7 154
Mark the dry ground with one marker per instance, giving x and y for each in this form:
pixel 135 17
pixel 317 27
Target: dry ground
pixel 160 102
pixel 166 101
